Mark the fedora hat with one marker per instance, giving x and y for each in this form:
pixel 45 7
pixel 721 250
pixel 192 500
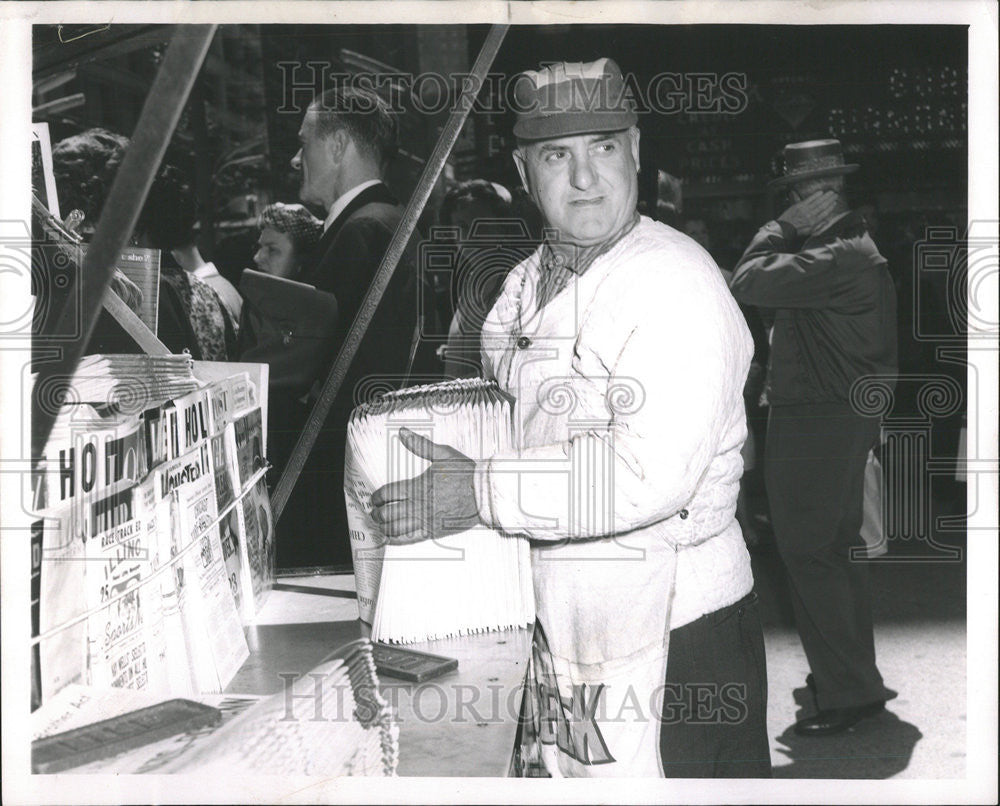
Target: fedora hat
pixel 569 98
pixel 812 159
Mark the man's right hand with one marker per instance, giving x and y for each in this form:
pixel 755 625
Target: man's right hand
pixel 807 215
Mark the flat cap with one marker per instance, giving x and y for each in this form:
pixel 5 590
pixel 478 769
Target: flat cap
pixel 569 98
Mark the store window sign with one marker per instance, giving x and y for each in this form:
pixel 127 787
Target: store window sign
pixel 794 107
pixel 713 154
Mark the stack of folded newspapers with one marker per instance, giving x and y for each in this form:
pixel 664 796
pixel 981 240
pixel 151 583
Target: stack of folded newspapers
pixel 130 383
pixel 348 730
pixel 473 581
pixel 330 722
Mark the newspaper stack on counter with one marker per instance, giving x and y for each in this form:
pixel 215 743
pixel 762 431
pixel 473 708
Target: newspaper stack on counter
pixel 79 714
pixel 473 581
pixel 350 730
pixel 130 383
pixel 346 728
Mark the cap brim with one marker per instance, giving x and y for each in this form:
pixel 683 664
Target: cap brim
pixel 572 123
pixel 840 170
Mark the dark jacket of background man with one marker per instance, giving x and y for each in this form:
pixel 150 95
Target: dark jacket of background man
pixel 835 317
pixel 817 267
pixel 313 528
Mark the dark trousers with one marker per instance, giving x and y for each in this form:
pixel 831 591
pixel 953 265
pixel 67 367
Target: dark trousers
pixel 814 466
pixel 715 698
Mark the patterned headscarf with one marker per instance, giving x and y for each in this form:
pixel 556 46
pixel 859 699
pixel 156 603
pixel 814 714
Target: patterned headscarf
pixel 295 221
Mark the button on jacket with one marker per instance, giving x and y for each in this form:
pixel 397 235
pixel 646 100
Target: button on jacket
pixel 834 308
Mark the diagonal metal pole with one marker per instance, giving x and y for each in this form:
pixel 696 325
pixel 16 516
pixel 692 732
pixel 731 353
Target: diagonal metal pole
pixel 160 113
pixel 134 326
pixel 383 275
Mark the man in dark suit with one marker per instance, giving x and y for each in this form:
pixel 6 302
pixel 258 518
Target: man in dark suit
pixel 348 138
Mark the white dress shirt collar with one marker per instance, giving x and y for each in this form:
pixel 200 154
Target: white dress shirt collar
pixel 346 199
pixel 205 270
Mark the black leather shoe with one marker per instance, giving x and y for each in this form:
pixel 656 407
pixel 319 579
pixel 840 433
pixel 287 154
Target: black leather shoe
pixel 837 720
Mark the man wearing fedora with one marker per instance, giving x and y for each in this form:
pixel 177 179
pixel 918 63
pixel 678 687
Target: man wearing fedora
pixel 817 268
pixel 626 355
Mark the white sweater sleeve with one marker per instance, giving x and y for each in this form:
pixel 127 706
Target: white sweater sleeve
pixel 663 359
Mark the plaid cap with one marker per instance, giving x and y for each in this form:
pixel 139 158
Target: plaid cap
pixel 572 98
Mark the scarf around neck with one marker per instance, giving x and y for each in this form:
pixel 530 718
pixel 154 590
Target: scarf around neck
pixel 560 261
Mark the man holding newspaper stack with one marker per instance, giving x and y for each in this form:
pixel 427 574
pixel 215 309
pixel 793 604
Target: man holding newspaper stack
pixel 627 357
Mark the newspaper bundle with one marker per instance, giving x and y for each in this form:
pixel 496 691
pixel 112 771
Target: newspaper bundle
pixel 338 727
pixel 468 582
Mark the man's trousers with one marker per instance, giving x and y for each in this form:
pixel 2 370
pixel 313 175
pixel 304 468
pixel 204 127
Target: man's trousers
pixel 814 466
pixel 714 717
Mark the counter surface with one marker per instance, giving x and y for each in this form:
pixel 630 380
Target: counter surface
pixel 460 724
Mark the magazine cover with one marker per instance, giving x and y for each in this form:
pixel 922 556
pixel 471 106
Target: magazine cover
pixel 257 548
pixel 62 628
pixel 229 398
pixel 142 267
pixel 249 434
pixel 88 454
pixel 211 620
pixel 43 181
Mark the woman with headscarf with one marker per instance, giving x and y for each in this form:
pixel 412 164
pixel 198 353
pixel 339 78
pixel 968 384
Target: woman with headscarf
pixel 288 235
pixel 285 324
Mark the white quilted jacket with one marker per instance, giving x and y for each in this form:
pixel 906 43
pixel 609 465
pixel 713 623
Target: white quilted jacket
pixel 629 421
